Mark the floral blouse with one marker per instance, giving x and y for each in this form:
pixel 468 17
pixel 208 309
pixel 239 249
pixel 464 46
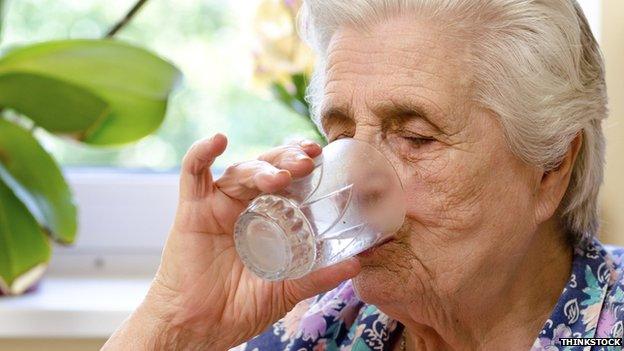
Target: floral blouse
pixel 590 306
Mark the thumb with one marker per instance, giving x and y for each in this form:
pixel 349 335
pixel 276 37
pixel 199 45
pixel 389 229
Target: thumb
pixel 320 281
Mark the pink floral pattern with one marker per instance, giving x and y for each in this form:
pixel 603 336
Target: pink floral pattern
pixel 591 305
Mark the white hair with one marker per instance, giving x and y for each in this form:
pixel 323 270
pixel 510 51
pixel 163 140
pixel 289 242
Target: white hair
pixel 537 67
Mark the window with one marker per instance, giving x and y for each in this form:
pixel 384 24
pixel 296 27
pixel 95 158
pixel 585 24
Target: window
pixel 125 216
pixel 211 41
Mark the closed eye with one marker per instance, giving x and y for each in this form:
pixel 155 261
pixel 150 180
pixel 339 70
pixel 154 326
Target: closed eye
pixel 340 136
pixel 418 141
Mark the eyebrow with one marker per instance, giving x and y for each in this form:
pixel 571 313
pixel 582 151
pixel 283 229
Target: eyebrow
pixel 390 113
pixel 336 114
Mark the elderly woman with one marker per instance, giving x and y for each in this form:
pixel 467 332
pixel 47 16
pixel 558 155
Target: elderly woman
pixel 491 112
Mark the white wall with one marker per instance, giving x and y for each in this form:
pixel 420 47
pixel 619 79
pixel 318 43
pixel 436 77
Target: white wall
pixel 613 190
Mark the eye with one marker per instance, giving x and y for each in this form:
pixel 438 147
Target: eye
pixel 419 141
pixel 340 136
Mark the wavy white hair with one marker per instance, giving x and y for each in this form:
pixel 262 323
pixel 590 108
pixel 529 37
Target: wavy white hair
pixel 537 65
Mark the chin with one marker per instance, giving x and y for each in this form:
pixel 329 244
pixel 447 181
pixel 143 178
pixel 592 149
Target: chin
pixel 384 275
pixel 375 287
pixel 388 273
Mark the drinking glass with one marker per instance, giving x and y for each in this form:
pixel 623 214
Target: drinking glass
pixel 352 201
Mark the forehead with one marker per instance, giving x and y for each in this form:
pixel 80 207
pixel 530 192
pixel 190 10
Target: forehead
pixel 401 61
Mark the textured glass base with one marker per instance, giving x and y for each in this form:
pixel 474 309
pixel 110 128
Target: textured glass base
pixel 274 239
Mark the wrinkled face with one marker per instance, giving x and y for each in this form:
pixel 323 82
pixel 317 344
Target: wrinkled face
pixel 402 87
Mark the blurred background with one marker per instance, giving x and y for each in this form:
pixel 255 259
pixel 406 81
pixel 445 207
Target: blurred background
pixel 217 44
pixel 242 73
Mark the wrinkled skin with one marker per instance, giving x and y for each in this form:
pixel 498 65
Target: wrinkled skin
pixel 476 213
pixel 479 262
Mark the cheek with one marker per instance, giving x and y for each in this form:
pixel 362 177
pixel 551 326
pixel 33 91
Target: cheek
pixel 444 192
pixel 458 193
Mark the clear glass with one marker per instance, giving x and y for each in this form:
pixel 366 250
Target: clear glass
pixel 352 201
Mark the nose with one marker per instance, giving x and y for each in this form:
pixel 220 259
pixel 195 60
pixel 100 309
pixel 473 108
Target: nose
pixel 368 134
pixel 373 135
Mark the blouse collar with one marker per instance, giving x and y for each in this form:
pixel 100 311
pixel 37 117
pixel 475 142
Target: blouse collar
pixel 578 309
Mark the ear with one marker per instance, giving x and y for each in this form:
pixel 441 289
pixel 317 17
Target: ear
pixel 555 182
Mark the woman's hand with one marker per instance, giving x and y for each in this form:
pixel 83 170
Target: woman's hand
pixel 203 297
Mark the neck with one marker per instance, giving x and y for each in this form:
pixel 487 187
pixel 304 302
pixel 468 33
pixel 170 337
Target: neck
pixel 508 306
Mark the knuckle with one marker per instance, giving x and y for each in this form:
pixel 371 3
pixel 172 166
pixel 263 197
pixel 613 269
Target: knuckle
pixel 232 168
pixel 290 154
pixel 243 172
pixel 257 166
pixel 246 182
pixel 281 152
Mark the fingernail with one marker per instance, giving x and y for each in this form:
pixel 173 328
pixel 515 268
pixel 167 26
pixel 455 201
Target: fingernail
pixel 306 143
pixel 282 172
pixel 213 137
pixel 302 157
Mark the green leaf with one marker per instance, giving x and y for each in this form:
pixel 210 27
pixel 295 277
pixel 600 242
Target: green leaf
pixel 281 93
pixel 25 248
pixel 300 82
pixel 35 178
pixel 53 104
pixel 296 102
pixel 2 12
pixel 133 81
pixel 593 289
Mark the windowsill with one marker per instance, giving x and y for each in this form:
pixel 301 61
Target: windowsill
pixel 92 286
pixel 72 307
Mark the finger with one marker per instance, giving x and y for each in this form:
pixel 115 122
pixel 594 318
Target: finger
pixel 195 175
pixel 320 281
pixel 295 157
pixel 246 180
pixel 311 147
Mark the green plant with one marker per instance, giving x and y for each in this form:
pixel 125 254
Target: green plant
pixel 283 62
pixel 99 92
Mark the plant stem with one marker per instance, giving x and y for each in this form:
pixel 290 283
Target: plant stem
pixel 126 19
pixel 2 10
